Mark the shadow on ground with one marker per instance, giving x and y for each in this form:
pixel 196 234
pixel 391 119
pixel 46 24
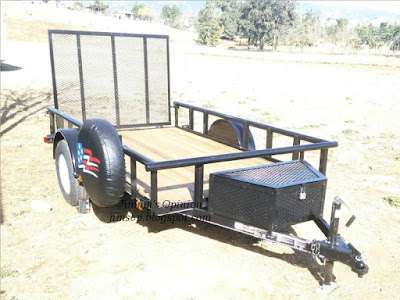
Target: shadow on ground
pixel 17 106
pixel 1 203
pixel 117 213
pixel 6 67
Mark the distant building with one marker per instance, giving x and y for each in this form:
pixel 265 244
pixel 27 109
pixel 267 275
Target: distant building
pixel 97 8
pixel 123 14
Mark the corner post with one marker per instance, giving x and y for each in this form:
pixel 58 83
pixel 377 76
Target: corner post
pixel 269 139
pixel 133 178
pixel 323 161
pixel 52 123
pixel 245 142
pixel 153 190
pixel 176 109
pixel 205 123
pixel 59 122
pixel 191 117
pixel 198 184
pixel 295 155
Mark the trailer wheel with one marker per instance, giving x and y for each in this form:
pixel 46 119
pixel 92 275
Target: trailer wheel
pixel 69 185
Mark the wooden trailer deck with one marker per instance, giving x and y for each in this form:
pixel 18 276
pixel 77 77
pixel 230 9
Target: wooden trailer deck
pixel 162 144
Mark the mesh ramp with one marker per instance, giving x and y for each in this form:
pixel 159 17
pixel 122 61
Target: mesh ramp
pixel 123 78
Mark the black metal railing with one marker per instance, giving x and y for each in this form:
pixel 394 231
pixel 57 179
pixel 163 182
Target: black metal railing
pixel 297 153
pixel 57 119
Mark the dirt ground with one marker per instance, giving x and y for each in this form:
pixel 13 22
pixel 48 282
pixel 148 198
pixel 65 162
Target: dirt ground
pixel 61 254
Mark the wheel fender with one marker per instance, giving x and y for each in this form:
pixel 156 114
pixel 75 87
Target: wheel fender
pixel 231 132
pixel 70 135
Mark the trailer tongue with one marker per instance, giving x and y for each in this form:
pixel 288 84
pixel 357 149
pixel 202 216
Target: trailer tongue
pixel 214 175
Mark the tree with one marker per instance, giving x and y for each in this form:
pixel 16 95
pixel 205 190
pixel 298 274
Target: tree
pixel 376 37
pixel 142 12
pixel 369 36
pixel 336 32
pixel 304 32
pixel 395 39
pixel 263 21
pixel 283 14
pixel 146 13
pixel 100 5
pixel 343 34
pixel 244 25
pixel 78 5
pixel 229 17
pixel 170 14
pixel 135 10
pixel 390 35
pixel 208 27
pixel 259 21
pixel 385 32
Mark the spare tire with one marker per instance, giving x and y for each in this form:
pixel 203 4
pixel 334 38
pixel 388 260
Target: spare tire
pixel 101 162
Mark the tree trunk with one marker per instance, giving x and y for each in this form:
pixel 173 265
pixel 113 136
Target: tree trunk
pixel 274 37
pixel 262 42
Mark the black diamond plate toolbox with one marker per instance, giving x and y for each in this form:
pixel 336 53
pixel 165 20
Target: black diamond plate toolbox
pixel 269 196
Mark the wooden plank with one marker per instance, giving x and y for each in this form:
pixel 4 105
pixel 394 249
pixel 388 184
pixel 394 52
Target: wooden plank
pixel 164 144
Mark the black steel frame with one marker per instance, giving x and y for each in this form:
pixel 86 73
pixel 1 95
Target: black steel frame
pixel 297 150
pixel 330 250
pixel 112 36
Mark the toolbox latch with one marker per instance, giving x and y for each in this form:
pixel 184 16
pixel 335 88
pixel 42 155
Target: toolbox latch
pixel 302 193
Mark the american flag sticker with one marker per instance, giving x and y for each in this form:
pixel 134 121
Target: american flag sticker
pixel 86 161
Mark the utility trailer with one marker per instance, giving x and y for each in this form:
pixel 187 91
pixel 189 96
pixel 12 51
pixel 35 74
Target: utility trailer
pixel 112 112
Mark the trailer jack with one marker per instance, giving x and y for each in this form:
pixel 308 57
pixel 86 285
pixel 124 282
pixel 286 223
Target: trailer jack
pixel 336 249
pixel 330 250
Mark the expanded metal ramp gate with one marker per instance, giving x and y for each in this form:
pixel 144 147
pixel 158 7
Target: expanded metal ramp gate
pixel 123 78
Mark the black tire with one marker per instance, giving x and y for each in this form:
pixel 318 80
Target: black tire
pixel 69 185
pixel 101 162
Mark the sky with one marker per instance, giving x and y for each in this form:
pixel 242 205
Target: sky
pixel 388 6
pixel 358 10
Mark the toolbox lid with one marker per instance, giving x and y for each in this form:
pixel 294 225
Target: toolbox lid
pixel 276 175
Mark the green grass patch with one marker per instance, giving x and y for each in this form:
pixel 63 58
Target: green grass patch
pixel 6 272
